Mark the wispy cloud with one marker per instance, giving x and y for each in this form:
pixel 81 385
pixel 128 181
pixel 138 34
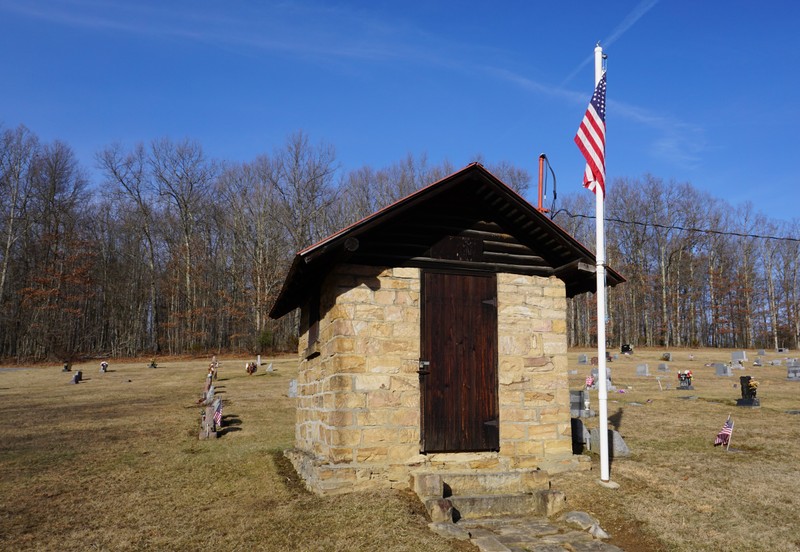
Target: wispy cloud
pixel 638 12
pixel 293 29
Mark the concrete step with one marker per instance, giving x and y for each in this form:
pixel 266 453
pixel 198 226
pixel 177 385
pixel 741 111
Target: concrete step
pixel 453 508
pixel 437 484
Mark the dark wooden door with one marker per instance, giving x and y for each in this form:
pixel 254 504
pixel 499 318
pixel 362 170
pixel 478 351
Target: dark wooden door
pixel 458 368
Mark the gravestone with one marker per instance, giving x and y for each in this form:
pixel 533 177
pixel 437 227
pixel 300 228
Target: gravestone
pixel 749 388
pixel 258 360
pixel 579 404
pixel 103 367
pixel 737 364
pixel 738 356
pixel 643 370
pixel 757 362
pixel 761 352
pixel 596 371
pixel 208 429
pixel 583 359
pixel 782 350
pixel 793 373
pixel 617 448
pixel 667 357
pixel 722 369
pixel 67 367
pixel 662 367
pixel 293 389
pixel 776 362
pixel 576 403
pixel 580 436
pixel 269 368
pixel 77 377
pixel 609 385
pixel 626 349
pixel 685 381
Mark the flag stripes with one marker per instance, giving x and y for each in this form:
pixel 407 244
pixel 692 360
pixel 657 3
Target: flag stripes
pixel 724 436
pixel 591 139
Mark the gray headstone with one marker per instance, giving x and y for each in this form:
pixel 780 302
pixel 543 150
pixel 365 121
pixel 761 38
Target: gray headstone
pixel 576 398
pixel 643 370
pixel 761 352
pixel 782 350
pixel 616 444
pixel 793 373
pixel 667 357
pixel 776 362
pixel 722 369
pixel 293 389
pixel 757 362
pixel 663 367
pixel 596 371
pixel 258 360
pixel 269 368
pixel 583 359
pixel 738 356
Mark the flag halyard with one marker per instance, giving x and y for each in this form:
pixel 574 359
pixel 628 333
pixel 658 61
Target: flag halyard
pixel 591 139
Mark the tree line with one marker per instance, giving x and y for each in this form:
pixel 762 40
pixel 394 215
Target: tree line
pixel 171 252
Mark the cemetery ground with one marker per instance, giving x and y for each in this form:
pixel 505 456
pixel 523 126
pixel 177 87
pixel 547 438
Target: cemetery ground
pixel 115 463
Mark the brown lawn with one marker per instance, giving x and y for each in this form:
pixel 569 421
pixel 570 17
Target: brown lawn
pixel 114 463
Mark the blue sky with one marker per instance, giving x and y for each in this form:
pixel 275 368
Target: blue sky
pixel 704 92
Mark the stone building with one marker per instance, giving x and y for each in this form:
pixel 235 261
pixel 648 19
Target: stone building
pixel 433 343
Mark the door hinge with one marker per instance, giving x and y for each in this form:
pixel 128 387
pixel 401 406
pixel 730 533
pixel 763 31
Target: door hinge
pixel 492 302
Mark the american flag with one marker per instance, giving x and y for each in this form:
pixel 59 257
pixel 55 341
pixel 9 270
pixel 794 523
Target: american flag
pixel 724 436
pixel 218 415
pixel 591 139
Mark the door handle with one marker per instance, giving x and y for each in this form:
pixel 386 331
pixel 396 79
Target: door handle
pixel 423 367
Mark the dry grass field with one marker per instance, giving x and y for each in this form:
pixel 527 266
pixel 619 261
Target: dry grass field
pixel 678 491
pixel 114 463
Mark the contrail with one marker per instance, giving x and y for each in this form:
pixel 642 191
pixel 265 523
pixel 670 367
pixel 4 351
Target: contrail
pixel 637 13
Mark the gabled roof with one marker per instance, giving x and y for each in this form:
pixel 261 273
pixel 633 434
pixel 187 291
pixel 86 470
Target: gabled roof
pixel 469 220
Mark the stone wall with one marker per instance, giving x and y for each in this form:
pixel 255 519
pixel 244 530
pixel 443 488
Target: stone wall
pixel 358 401
pixel 534 388
pixel 358 409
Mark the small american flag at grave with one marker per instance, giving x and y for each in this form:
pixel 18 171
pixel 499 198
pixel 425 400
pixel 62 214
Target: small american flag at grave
pixel 724 436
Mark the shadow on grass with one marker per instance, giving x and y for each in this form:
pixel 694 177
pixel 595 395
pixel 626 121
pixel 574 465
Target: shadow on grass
pixel 231 420
pixel 287 474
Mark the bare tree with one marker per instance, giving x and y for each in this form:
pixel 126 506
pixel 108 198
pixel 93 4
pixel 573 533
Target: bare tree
pixel 183 176
pixel 130 181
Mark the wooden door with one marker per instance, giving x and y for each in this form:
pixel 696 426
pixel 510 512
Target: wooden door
pixel 458 368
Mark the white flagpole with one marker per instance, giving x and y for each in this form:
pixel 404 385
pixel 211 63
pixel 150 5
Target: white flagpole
pixel 602 388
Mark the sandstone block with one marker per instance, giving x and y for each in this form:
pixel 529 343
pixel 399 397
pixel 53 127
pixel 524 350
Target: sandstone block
pixel 371 382
pixel 408 273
